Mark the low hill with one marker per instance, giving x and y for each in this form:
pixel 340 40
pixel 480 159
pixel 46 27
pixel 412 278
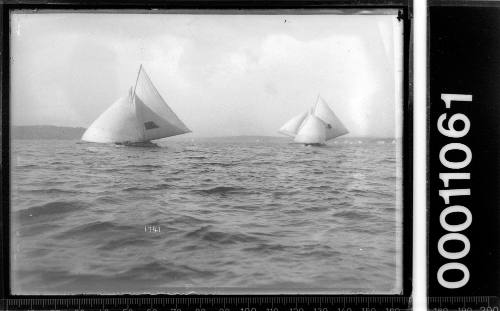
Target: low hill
pixel 46 132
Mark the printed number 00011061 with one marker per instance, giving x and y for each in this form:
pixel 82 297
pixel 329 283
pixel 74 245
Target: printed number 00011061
pixel 454 229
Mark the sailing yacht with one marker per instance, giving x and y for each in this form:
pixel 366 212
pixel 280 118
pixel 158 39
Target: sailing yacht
pixel 316 126
pixel 136 119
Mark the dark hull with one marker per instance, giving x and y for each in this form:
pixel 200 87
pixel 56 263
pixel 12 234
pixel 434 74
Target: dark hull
pixel 315 145
pixel 143 144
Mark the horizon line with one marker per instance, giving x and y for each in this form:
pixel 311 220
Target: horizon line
pixel 218 136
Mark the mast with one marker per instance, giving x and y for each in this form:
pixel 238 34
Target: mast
pixel 137 79
pixel 139 118
pixel 315 107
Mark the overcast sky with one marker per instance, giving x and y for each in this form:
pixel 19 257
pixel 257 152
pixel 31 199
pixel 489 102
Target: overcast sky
pixel 221 74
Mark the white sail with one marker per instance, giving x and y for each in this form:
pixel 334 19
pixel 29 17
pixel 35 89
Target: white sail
pixel 316 126
pixel 117 124
pixel 158 119
pixel 291 127
pixel 334 126
pixel 140 117
pixel 312 131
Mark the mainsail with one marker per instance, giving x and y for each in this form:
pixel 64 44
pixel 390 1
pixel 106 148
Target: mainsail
pixel 316 126
pixel 334 126
pixel 140 117
pixel 312 131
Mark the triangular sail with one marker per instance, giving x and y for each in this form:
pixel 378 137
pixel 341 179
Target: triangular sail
pixel 154 126
pixel 312 131
pixel 334 127
pixel 158 119
pixel 117 124
pixel 291 127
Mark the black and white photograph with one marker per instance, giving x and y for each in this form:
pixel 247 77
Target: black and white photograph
pixel 206 152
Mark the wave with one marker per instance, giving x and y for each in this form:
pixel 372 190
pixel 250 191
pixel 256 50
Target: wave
pixel 109 170
pixel 222 164
pixel 316 209
pixel 387 160
pixel 96 228
pixel 265 248
pixel 322 252
pixel 173 178
pixel 108 199
pixel 150 166
pixel 50 209
pixel 165 271
pixel 353 215
pixel 57 163
pixel 49 191
pixel 207 234
pixel 389 178
pixel 27 166
pixel 223 190
pixel 304 161
pixel 152 188
pixel 369 230
pixel 178 171
pixel 125 242
pixel 281 194
pixel 321 187
pixel 260 162
pixel 246 207
pixel 369 193
pixel 189 220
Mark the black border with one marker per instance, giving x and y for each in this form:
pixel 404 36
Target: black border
pixel 477 292
pixel 405 6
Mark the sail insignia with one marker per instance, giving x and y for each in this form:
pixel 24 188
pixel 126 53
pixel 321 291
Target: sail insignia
pixel 150 125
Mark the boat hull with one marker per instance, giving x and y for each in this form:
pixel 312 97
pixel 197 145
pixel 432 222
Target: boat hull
pixel 315 145
pixel 143 144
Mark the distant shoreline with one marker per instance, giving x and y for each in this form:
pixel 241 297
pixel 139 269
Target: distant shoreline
pixel 71 133
pixel 46 132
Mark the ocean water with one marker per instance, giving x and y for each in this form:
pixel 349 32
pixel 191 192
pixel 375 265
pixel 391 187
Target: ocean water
pixel 226 215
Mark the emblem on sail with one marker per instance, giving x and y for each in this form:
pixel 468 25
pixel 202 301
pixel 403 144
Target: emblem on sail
pixel 142 116
pixel 315 126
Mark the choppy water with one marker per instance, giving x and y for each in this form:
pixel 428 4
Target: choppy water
pixel 251 215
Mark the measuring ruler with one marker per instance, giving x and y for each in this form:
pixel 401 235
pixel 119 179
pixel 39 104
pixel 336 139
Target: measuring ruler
pixel 464 303
pixel 215 303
